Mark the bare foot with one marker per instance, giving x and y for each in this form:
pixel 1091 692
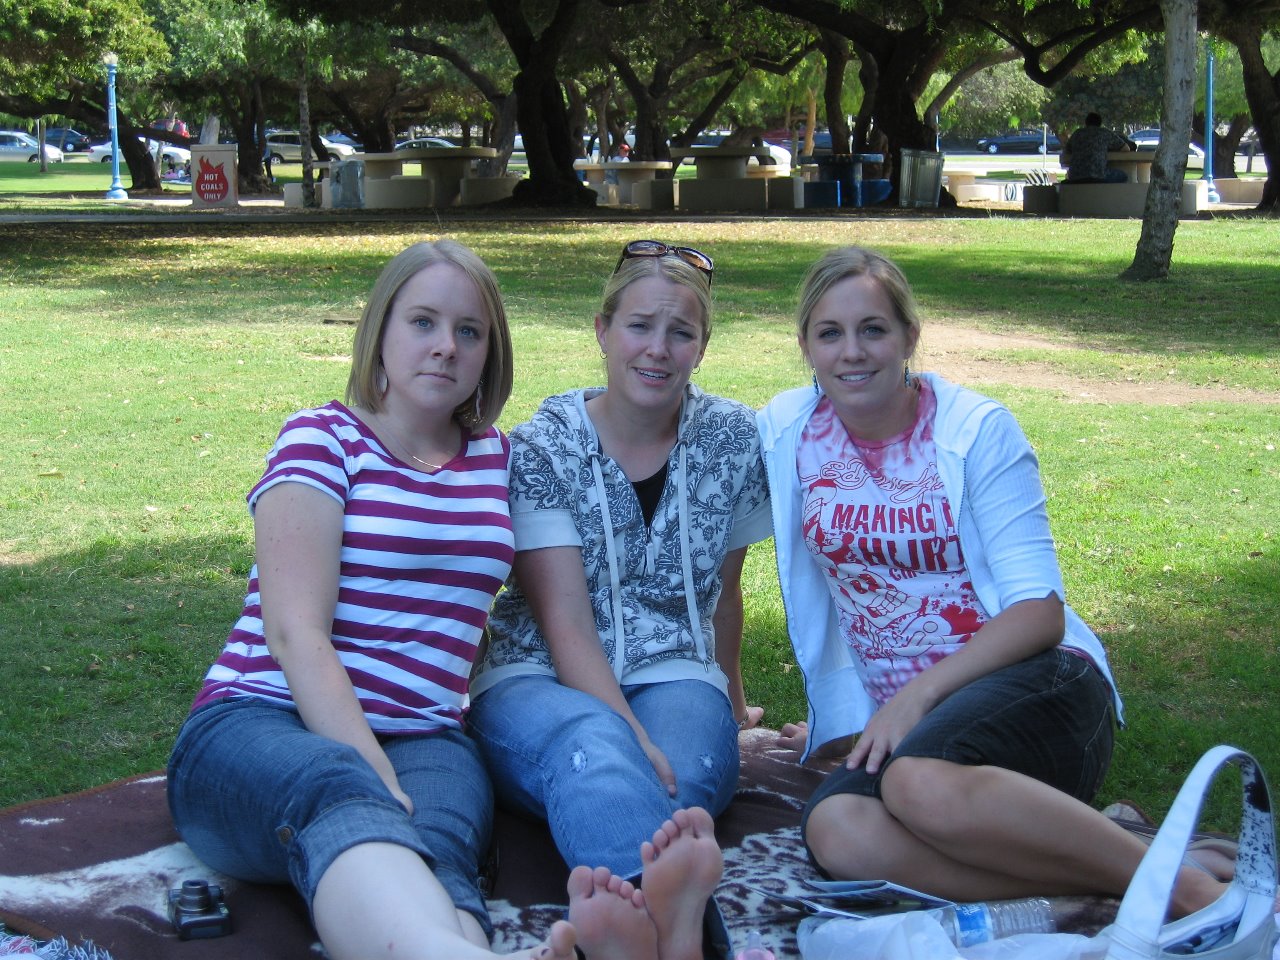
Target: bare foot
pixel 558 946
pixel 610 917
pixel 682 868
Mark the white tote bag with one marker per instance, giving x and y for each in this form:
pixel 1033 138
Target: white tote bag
pixel 1239 925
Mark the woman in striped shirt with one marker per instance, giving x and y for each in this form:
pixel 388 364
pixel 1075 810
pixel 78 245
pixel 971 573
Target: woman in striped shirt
pixel 325 747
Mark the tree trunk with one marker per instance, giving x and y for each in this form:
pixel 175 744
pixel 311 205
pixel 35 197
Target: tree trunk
pixel 142 168
pixel 1262 91
pixel 304 132
pixel 540 106
pixel 1154 254
pixel 835 51
pixel 544 128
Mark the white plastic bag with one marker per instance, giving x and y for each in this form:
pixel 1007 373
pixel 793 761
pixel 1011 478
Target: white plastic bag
pixel 918 936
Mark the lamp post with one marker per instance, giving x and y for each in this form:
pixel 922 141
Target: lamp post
pixel 1214 197
pixel 117 191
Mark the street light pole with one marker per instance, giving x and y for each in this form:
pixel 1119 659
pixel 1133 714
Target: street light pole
pixel 1214 196
pixel 117 191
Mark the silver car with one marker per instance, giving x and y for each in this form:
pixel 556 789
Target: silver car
pixel 285 146
pixel 16 145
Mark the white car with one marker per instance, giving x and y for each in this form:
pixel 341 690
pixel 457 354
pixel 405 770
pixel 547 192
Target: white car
pixel 1150 139
pixel 285 146
pixel 16 145
pixel 781 158
pixel 169 155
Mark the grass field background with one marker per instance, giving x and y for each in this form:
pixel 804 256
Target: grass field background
pixel 147 369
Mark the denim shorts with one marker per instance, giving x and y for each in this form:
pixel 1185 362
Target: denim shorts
pixel 1048 717
pixel 260 798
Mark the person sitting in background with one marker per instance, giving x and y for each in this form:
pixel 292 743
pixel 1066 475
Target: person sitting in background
pixel 1085 156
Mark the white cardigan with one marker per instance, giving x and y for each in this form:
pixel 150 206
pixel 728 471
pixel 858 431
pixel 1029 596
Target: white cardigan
pixel 991 478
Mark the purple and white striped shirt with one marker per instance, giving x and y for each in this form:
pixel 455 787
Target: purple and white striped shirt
pixel 422 557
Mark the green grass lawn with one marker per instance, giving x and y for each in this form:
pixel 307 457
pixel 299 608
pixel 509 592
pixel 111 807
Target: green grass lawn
pixel 148 368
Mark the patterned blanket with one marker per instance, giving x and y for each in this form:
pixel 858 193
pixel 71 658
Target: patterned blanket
pixel 98 866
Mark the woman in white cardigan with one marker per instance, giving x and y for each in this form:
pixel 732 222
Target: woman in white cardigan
pixel 925 606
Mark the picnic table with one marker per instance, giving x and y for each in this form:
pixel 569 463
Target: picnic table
pixel 1135 163
pixel 444 167
pixel 721 163
pixel 625 174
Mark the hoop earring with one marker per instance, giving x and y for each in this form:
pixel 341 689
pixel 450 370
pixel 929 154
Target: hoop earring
pixel 603 355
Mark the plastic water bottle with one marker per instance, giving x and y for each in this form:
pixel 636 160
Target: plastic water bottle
pixel 756 950
pixel 972 923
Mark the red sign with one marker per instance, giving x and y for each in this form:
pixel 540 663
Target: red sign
pixel 211 184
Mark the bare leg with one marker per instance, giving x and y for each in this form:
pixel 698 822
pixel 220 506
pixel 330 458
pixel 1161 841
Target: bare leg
pixel 682 867
pixel 978 833
pixel 380 900
pixel 609 916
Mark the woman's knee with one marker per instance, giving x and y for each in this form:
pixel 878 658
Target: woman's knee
pixel 840 833
pixel 932 798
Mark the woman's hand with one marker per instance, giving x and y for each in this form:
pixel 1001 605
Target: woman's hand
pixel 402 798
pixel 884 731
pixel 751 719
pixel 660 764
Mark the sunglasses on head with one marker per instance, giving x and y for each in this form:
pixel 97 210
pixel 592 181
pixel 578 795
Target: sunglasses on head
pixel 656 248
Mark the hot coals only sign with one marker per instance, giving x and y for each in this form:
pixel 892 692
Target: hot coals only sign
pixel 213 181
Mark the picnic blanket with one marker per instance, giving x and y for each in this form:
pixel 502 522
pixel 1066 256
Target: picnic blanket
pixel 97 866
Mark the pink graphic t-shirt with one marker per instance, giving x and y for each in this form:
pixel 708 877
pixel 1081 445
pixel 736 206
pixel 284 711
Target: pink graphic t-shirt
pixel 879 525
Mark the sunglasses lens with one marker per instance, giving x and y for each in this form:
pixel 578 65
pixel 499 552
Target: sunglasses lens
pixel 646 248
pixel 695 258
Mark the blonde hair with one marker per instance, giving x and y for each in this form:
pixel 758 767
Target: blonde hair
pixel 365 384
pixel 673 269
pixel 844 262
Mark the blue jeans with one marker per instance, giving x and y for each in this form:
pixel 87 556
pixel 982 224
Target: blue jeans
pixel 259 797
pixel 563 756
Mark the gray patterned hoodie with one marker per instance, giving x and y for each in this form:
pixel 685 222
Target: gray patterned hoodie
pixel 653 587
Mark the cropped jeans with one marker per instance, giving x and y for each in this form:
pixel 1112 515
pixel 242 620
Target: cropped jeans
pixel 259 797
pixel 564 756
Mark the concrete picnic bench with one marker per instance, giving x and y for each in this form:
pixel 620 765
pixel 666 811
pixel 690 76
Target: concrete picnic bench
pixel 439 182
pixel 628 173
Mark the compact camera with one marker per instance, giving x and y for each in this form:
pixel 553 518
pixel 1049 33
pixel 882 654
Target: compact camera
pixel 197 910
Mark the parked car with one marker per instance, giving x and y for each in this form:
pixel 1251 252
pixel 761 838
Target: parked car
pixel 171 157
pixel 286 146
pixel 1026 141
pixel 351 142
pixel 16 145
pixel 418 143
pixel 67 140
pixel 1150 139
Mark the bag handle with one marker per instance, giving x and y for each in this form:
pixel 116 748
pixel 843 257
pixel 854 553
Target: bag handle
pixel 1137 927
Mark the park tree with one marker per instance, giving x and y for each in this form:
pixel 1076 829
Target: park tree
pixel 538 34
pixel 680 62
pixel 1251 27
pixel 51 64
pixel 232 57
pixel 1154 253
